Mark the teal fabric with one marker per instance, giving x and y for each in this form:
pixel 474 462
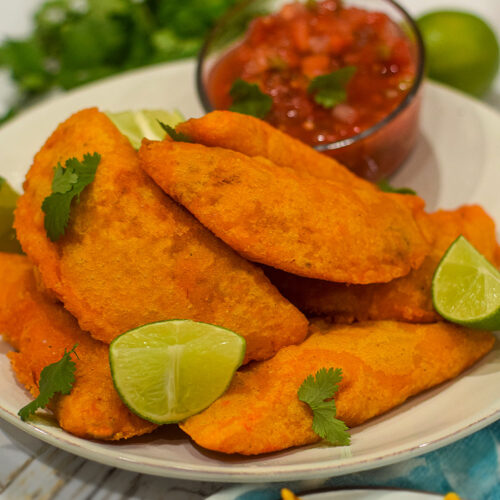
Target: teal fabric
pixel 469 467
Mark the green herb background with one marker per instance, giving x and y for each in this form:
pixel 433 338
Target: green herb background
pixel 76 42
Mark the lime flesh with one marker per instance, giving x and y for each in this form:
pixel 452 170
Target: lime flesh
pixel 144 123
pixel 170 370
pixel 8 199
pixel 466 287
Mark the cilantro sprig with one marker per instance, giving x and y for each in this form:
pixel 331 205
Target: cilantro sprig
pixel 248 99
pixel 317 392
pixel 57 377
pixel 67 183
pixel 383 185
pixel 174 135
pixel 75 42
pixel 330 89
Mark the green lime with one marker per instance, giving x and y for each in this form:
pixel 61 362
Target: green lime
pixel 462 50
pixel 170 370
pixel 144 123
pixel 466 287
pixel 8 199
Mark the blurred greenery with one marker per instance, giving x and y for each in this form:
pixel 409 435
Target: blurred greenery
pixel 75 42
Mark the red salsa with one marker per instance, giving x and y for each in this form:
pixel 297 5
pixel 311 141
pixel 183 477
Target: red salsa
pixel 283 53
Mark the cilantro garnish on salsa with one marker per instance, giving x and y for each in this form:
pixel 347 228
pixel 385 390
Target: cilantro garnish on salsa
pixel 331 89
pixel 249 99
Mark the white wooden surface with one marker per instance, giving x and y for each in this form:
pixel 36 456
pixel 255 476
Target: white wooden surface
pixel 31 469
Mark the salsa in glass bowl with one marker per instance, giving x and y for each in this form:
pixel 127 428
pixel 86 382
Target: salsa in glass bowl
pixel 341 76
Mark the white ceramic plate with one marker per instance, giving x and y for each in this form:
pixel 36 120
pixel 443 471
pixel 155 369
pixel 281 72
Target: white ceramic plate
pixel 457 161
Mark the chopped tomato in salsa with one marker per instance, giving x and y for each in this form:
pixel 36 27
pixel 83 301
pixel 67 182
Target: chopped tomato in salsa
pixel 285 51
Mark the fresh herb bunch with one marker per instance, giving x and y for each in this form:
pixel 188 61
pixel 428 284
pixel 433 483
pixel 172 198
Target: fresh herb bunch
pixel 78 41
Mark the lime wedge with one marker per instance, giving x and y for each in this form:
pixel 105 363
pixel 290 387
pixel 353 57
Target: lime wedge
pixel 466 287
pixel 8 199
pixel 170 370
pixel 144 123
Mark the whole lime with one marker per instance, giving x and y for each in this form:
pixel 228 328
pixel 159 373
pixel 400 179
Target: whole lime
pixel 462 50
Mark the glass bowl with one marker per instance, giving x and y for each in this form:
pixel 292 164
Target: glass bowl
pixel 374 153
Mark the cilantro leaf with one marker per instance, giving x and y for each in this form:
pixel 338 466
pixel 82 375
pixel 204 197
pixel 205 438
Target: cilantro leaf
pixel 63 179
pixel 248 99
pixel 85 170
pixel 331 429
pixel 56 208
pixel 174 135
pixel 317 393
pixel 2 181
pixel 383 185
pixel 68 182
pixel 330 89
pixel 55 378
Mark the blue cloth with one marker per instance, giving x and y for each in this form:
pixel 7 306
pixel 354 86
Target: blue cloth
pixel 469 467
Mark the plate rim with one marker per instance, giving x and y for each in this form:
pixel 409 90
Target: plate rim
pixel 273 473
pixel 317 470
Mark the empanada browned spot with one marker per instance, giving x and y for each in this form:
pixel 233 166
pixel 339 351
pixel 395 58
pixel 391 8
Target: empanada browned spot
pixel 292 221
pixel 41 330
pixel 403 299
pixel 131 255
pixel 383 364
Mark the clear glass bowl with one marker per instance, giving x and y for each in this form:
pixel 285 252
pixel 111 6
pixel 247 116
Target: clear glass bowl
pixel 374 153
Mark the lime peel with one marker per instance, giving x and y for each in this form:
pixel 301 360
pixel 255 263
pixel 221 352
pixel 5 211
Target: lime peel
pixel 461 50
pixel 466 287
pixel 169 370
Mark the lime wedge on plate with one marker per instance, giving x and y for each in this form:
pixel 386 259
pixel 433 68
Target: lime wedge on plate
pixel 8 199
pixel 466 287
pixel 170 370
pixel 144 123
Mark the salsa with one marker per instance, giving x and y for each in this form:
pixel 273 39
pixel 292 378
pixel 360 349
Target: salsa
pixel 284 52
